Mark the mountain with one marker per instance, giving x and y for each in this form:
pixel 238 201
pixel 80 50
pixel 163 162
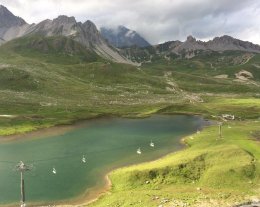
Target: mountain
pixel 85 33
pixel 7 21
pixel 139 50
pixel 217 44
pixel 56 49
pixel 123 37
pixel 188 49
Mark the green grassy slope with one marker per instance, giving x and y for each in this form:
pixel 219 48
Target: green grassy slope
pixel 49 81
pixel 47 88
pixel 211 172
pixel 56 49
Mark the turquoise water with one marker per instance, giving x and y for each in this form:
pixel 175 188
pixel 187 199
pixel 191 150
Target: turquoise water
pixel 106 144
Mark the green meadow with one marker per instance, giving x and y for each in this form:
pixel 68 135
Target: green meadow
pixel 209 172
pixel 62 83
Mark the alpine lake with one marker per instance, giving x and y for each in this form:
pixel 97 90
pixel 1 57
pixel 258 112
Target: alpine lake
pixel 72 164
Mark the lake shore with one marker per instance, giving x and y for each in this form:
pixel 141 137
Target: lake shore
pixel 91 197
pixel 51 131
pixel 58 129
pixel 92 194
pixel 96 194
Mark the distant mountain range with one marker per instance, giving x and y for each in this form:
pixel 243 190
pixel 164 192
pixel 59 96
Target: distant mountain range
pixel 85 33
pixel 106 43
pixel 123 37
pixel 188 49
pixel 217 44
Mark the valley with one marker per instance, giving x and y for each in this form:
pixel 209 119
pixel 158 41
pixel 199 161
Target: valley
pixel 62 72
pixel 41 89
pixel 39 92
pixel 83 155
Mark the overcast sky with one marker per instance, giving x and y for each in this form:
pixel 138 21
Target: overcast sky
pixel 157 20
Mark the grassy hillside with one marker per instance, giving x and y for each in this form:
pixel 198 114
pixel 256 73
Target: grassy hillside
pixel 49 81
pixel 56 49
pixel 46 88
pixel 211 172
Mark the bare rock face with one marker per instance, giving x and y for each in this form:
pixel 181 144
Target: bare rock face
pixel 61 26
pixel 191 39
pixel 229 43
pixel 89 35
pixel 7 21
pixel 191 44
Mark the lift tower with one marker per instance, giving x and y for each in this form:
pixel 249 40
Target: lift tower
pixel 21 167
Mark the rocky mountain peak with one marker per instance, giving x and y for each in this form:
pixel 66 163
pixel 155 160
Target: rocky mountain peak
pixel 191 39
pixel 123 37
pixel 92 30
pixel 123 28
pixel 90 25
pixel 224 39
pixel 229 43
pixel 191 46
pixel 62 25
pixel 63 19
pixel 7 19
pixel 3 10
pixel 89 31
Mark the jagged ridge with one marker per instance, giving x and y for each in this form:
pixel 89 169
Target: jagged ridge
pixel 217 44
pixel 188 49
pixel 85 33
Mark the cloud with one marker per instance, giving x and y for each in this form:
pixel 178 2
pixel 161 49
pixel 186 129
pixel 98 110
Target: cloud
pixel 156 20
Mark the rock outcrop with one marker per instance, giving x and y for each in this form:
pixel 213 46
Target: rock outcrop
pixel 8 21
pixel 123 37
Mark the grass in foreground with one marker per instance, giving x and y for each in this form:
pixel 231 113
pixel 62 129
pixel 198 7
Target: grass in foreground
pixel 211 172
